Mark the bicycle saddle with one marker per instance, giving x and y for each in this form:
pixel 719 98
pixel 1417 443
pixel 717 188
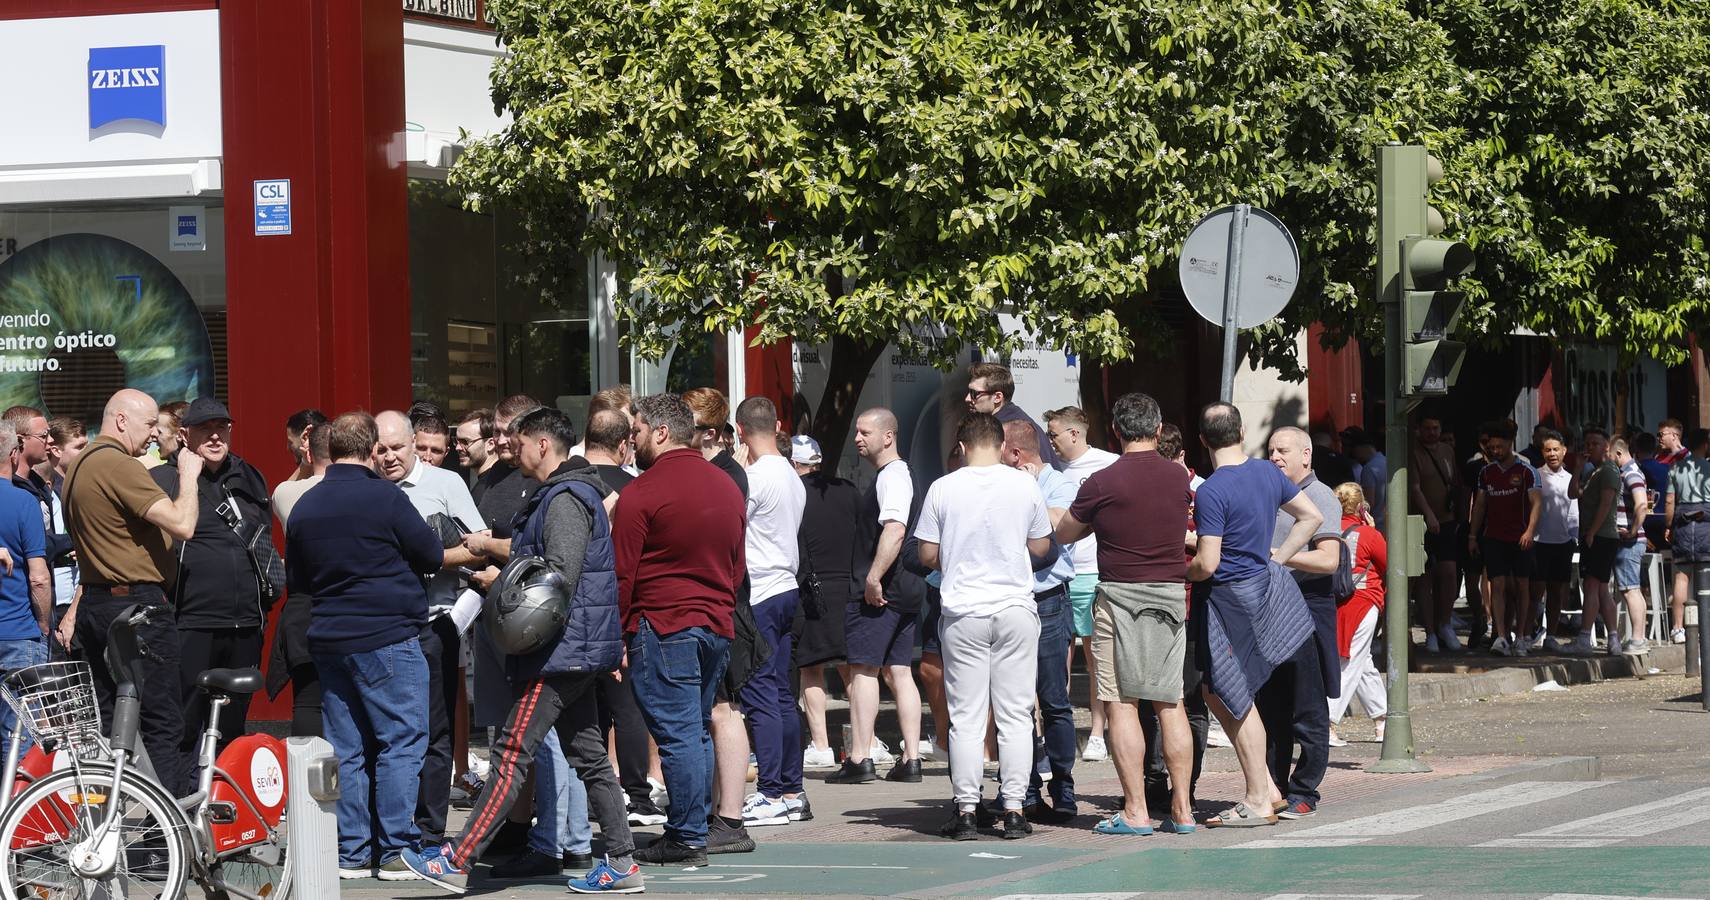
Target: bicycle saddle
pixel 230 681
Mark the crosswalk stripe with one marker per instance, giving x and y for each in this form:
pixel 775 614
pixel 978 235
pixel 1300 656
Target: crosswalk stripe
pixel 1612 827
pixel 1418 818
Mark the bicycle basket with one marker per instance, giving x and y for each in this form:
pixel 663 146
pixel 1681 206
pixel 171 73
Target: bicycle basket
pixel 56 702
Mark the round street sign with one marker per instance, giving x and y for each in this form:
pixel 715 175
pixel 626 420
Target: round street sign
pixel 1270 267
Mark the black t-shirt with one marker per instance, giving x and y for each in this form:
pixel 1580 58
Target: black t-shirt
pixel 506 493
pixel 734 469
pixel 828 531
pixel 614 476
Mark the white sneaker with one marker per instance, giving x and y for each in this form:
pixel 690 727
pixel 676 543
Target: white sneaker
pixel 1215 736
pixel 657 793
pixel 1499 647
pixel 345 874
pixel 1538 636
pixel 1430 645
pixel 1446 638
pixel 818 758
pixel 1636 645
pixel 880 754
pixel 1095 751
pixel 1678 636
pixel 1336 741
pixel 1379 723
pixel 927 750
pixel 763 810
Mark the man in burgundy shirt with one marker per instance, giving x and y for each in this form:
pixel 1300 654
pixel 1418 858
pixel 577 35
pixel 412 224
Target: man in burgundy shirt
pixel 678 538
pixel 1506 507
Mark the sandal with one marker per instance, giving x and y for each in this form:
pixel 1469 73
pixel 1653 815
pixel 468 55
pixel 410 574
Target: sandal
pixel 1118 825
pixel 1171 826
pixel 1240 816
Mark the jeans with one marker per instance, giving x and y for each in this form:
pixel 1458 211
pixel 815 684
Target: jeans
pixel 161 695
pixel 374 707
pixel 440 646
pixel 676 678
pixel 770 705
pixel 565 704
pixel 560 803
pixel 15 655
pixel 1056 631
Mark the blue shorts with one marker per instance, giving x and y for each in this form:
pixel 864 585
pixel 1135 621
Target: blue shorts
pixel 1081 591
pixel 878 636
pixel 1628 560
pixel 930 615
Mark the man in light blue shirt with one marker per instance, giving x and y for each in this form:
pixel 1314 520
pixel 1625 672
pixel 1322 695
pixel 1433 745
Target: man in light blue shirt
pixel 1056 632
pixel 26 587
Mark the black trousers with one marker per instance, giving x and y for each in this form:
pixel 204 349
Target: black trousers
pixel 162 710
pixel 440 645
pixel 56 653
pixel 565 703
pixel 619 713
pixel 201 649
pixel 1199 722
pixel 306 701
pixel 1296 711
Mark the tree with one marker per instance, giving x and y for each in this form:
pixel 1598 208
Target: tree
pixel 901 170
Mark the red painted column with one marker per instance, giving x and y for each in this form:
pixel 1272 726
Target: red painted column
pixel 1334 391
pixel 770 372
pixel 313 91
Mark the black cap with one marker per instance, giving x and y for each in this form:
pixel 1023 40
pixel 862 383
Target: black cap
pixel 1354 437
pixel 203 410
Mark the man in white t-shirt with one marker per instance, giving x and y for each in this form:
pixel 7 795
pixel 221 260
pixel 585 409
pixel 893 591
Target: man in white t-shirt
pixel 1557 538
pixel 776 499
pixel 986 528
pixel 1067 430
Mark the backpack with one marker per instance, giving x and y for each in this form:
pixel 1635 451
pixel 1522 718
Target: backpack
pixel 1342 580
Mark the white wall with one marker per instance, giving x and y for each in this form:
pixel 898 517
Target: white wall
pixel 44 64
pixel 1267 402
pixel 447 78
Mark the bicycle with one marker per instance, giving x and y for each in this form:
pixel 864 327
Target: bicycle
pixel 87 821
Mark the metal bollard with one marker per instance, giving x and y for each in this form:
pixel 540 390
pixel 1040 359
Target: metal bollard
pixel 1689 621
pixel 1701 593
pixel 311 818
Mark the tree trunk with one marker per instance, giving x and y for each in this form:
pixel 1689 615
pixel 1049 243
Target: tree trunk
pixel 851 362
pixel 1094 405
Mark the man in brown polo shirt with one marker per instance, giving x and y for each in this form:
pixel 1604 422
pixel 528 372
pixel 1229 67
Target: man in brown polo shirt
pixel 122 525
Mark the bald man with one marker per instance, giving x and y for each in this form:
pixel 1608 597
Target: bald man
pixel 442 498
pixel 879 625
pixel 1294 702
pixel 122 526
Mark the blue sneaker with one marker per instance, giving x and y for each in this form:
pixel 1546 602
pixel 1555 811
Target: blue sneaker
pixel 434 866
pixel 604 879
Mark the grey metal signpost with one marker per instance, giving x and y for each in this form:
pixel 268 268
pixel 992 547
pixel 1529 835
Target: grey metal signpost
pixel 1238 269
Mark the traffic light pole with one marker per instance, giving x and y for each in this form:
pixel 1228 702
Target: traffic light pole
pixel 1395 168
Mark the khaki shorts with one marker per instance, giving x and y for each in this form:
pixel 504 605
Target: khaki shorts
pixel 1160 666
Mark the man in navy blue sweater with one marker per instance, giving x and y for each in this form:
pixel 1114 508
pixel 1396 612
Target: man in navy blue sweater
pixel 356 545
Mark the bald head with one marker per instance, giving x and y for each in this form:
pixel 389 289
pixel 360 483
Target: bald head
pixel 1291 451
pixel 130 418
pixel 876 436
pixel 397 454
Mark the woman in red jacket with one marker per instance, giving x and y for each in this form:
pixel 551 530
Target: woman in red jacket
pixel 1357 616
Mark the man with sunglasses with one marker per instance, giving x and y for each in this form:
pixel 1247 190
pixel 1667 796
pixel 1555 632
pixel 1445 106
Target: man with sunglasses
pixel 991 389
pixel 1067 430
pixel 31 454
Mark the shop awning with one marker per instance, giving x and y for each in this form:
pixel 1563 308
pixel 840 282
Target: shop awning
pixel 133 181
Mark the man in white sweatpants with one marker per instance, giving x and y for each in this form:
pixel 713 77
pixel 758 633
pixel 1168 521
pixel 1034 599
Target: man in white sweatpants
pixel 986 528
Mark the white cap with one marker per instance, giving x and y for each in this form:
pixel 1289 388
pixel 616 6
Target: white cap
pixel 804 451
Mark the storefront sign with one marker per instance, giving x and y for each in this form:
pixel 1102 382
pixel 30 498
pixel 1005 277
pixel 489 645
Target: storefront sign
pixel 127 83
pixel 273 206
pixel 185 228
pixel 463 10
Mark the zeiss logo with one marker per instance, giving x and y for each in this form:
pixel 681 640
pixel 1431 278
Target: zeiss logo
pixel 186 226
pixel 127 83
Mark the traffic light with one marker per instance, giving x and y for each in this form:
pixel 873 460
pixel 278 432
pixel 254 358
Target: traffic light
pixel 1414 271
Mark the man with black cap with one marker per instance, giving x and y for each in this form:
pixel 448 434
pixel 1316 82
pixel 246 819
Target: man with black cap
pixel 221 593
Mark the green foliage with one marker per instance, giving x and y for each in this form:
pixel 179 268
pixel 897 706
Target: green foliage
pixel 905 169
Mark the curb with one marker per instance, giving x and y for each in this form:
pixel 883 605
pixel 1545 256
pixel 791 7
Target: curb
pixel 1554 768
pixel 1473 683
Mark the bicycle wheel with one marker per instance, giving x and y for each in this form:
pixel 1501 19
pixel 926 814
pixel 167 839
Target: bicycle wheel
pixel 52 816
pixel 251 874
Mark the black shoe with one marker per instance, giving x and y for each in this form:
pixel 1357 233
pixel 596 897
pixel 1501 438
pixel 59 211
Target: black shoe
pixel 1015 825
pixel 533 864
pixel 578 862
pixel 668 852
pixel 644 812
pixel 853 773
pixel 511 838
pixel 961 827
pixel 985 816
pixel 1046 815
pixel 722 838
pixel 906 770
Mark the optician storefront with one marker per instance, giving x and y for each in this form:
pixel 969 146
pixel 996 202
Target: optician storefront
pixel 249 200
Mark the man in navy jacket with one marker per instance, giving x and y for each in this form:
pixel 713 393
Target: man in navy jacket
pixel 564 524
pixel 356 545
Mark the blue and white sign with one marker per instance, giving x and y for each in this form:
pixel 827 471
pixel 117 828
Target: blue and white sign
pixel 127 83
pixel 186 231
pixel 273 206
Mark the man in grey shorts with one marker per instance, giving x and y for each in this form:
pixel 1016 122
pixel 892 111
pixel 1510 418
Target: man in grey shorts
pixel 1138 509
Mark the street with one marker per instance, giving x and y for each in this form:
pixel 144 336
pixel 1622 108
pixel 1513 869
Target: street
pixel 1599 791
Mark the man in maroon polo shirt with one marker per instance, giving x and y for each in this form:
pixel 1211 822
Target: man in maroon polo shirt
pixel 678 538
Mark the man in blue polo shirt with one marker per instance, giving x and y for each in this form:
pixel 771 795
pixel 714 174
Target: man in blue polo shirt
pixel 26 589
pixel 357 546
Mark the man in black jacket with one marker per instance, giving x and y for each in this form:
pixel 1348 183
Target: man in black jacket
pixel 220 599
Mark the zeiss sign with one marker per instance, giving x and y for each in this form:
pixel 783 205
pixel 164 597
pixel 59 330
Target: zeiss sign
pixel 127 83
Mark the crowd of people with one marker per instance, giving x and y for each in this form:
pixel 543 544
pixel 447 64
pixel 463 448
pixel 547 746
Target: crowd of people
pixel 645 610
